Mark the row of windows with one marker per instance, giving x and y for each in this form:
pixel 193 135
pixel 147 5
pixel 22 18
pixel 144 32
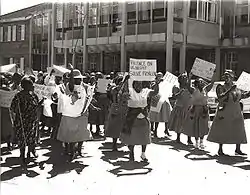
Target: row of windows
pixel 12 33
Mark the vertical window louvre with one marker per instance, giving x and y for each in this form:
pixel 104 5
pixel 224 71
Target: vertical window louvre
pixel 11 60
pixel 23 32
pixel 14 33
pixel 1 34
pixel 22 63
pixel 9 33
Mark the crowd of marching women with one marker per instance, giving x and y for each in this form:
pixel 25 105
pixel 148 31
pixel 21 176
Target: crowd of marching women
pixel 123 111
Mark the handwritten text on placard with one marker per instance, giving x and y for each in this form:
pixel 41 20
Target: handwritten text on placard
pixel 203 69
pixel 142 70
pixel 243 82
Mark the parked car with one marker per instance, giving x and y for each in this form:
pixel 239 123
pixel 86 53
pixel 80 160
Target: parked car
pixel 213 100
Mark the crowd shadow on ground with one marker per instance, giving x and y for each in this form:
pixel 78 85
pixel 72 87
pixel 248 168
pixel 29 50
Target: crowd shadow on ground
pixel 52 151
pixel 202 155
pixel 120 160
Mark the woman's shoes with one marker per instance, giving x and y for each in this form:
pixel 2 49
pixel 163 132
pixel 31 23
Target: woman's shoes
pixel 131 157
pixel 221 153
pixel 144 159
pixel 239 152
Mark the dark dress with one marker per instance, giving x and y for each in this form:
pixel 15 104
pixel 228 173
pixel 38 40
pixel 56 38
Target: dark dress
pixel 26 124
pixel 117 114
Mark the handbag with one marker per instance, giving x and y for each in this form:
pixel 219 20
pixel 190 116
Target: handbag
pixel 114 109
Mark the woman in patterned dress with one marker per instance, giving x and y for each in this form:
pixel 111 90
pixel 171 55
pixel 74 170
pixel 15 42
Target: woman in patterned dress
pixel 228 124
pixel 196 124
pixel 24 108
pixel 163 115
pixel 136 128
pixel 179 112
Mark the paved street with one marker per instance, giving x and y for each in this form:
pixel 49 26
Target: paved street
pixel 173 169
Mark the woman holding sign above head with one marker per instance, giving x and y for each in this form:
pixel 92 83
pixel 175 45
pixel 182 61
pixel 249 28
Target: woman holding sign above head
pixel 196 124
pixel 228 124
pixel 136 129
pixel 179 112
pixel 165 111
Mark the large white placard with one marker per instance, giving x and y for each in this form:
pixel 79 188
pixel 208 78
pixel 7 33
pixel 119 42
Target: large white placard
pixel 142 70
pixel 44 91
pixel 203 69
pixel 243 82
pixel 165 91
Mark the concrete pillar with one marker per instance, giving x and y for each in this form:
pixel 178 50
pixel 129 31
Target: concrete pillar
pixel 123 34
pixel 30 41
pixel 101 61
pixel 218 62
pixel 183 50
pixel 170 36
pixel 53 31
pixel 85 37
pixel 66 51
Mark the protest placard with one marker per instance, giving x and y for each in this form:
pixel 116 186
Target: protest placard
pixel 243 82
pixel 165 91
pixel 203 69
pixel 11 68
pixel 90 93
pixel 102 85
pixel 142 70
pixel 44 91
pixel 6 98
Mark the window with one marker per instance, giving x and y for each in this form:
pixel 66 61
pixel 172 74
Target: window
pixel 131 15
pixel 92 16
pixel 1 34
pixel 104 13
pixel 158 10
pixel 22 32
pixel 242 12
pixel 232 59
pixel 205 10
pixel 144 11
pixel 9 33
pixel 14 33
pixel 18 34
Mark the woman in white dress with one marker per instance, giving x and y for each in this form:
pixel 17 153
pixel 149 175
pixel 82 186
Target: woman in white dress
pixel 136 129
pixel 73 126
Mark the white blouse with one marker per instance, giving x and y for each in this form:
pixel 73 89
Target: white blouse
pixel 73 108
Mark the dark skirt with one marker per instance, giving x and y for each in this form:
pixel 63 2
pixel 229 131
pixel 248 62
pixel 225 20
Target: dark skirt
pixel 99 117
pixel 140 133
pixel 7 132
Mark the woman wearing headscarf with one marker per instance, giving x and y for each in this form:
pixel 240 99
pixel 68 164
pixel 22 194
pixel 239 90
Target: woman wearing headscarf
pixel 196 124
pixel 182 103
pixel 73 127
pixel 117 112
pixel 136 128
pixel 24 108
pixel 165 111
pixel 228 124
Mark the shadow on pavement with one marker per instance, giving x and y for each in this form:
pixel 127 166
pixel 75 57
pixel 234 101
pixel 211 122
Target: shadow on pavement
pixel 17 170
pixel 60 162
pixel 124 168
pixel 234 161
pixel 177 146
